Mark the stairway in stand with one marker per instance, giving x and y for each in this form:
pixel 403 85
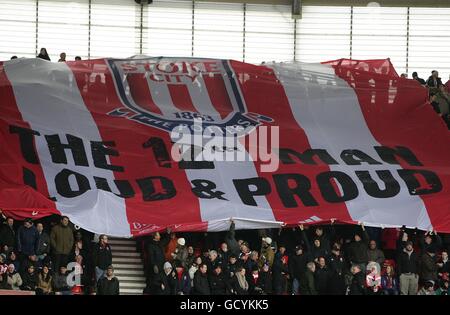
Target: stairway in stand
pixel 128 265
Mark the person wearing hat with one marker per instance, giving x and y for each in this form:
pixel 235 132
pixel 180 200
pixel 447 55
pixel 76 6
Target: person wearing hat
pixel 428 265
pixel 267 253
pixel 297 267
pixel 13 278
pixel 181 253
pixel 27 241
pixel 408 269
pixel 427 289
pixel 108 285
pixel 428 244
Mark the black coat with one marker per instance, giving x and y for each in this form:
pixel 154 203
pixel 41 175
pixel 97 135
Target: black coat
pixel 297 265
pixel 308 284
pixel 431 83
pixel 230 239
pixel 29 282
pixel 219 284
pixel 321 277
pixel 155 254
pixel 408 263
pixel 336 284
pixel 357 251
pixel 108 287
pixel 358 284
pixel 237 288
pixel 201 284
pixel 102 256
pixel 263 284
pixel 7 236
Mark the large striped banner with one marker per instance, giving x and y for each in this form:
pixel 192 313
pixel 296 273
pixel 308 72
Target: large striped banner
pixel 99 141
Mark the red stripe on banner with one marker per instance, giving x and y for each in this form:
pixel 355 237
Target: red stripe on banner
pixel 181 97
pixel 17 199
pixel 140 92
pixel 218 94
pixel 182 211
pixel 260 96
pixel 397 113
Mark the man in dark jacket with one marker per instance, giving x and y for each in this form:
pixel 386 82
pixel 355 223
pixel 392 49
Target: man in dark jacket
pixel 27 241
pixel 108 285
pixel 155 249
pixel 201 283
pixel 297 267
pixel 358 284
pixel 357 250
pixel 416 77
pixel 183 282
pixel 280 271
pixel 43 248
pixel 8 235
pixel 375 254
pixel 337 268
pixel 230 239
pixel 307 282
pixel 434 81
pixel 102 256
pixel 219 282
pixel 29 279
pixel 408 269
pixel 428 266
pixel 428 244
pixel 60 284
pixel 61 241
pixel 321 277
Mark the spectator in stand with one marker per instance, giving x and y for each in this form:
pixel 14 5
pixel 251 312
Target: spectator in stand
pixel 62 57
pixel 13 278
pixel 297 267
pixel 43 54
pixel 102 257
pixel 336 284
pixel 27 242
pixel 201 283
pixel 239 283
pixel 358 283
pixel 13 259
pixel 194 267
pixel 171 278
pixel 434 81
pixel 155 256
pixel 181 252
pixel 60 285
pixel 44 286
pixel 183 281
pixel 61 241
pixel 357 250
pixel 316 248
pixel 252 261
pixel 307 283
pixel 416 77
pixel 29 279
pixel 212 261
pixel 427 243
pixel 322 276
pixel 108 285
pixel 13 57
pixel 77 58
pixel 224 254
pixel 43 249
pixel 374 254
pixel 233 265
pixel 443 264
pixel 444 287
pixel 404 75
pixel 389 282
pixel 219 282
pixel 408 269
pixel 427 289
pixel 171 247
pixel 267 254
pixel 7 236
pixel 233 245
pixel 79 250
pixel 280 271
pixel 190 257
pixel 428 266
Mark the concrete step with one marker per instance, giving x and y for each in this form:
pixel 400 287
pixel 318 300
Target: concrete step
pixel 124 272
pixel 122 248
pixel 134 266
pixel 126 254
pixel 132 285
pixel 127 260
pixel 128 291
pixel 131 278
pixel 121 241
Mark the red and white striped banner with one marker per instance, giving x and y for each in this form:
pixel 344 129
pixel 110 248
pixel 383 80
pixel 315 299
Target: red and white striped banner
pixel 93 140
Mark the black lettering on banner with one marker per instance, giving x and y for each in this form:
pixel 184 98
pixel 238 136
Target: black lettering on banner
pixel 191 163
pixel 26 137
pixel 149 193
pixel 243 188
pixel 100 149
pixel 124 186
pixel 307 157
pixel 288 193
pixel 159 151
pixel 356 157
pixel 63 186
pixel 75 145
pixel 349 188
pixel 389 155
pixel 205 189
pixel 29 178
pixel 414 186
pixel 372 188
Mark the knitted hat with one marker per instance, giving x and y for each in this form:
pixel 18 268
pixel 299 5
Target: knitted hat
pixel 181 241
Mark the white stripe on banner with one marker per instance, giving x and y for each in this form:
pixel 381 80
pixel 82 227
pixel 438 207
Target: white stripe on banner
pixel 200 97
pixel 161 97
pixel 329 112
pixel 49 100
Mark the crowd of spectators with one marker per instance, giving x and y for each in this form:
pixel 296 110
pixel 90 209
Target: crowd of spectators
pixel 321 260
pixel 51 256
